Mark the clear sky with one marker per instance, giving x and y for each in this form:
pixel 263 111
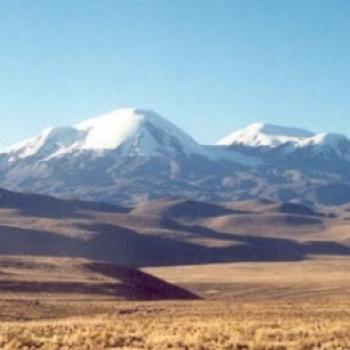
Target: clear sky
pixel 210 66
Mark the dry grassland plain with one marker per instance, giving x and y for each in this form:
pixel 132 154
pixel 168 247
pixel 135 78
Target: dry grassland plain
pixel 300 305
pixel 191 325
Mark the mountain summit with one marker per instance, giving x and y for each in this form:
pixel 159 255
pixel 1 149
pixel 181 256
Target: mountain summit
pixel 273 136
pixel 132 131
pixel 126 155
pixel 261 134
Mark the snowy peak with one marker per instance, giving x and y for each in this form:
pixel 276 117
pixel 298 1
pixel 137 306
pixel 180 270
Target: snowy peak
pixel 289 139
pixel 324 143
pixel 261 134
pixel 142 131
pixel 109 131
pixel 50 141
pixel 328 139
pixel 132 131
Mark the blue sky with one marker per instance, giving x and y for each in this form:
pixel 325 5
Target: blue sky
pixel 210 66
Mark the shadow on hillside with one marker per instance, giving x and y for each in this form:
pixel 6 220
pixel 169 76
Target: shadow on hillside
pixel 112 243
pixel 141 285
pixel 127 247
pixel 129 284
pixel 60 287
pixel 19 241
pixel 43 206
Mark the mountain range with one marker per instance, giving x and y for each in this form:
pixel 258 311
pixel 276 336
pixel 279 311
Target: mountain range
pixel 130 156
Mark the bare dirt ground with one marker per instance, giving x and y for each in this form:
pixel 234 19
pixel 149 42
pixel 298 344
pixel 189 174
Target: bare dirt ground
pixel 316 278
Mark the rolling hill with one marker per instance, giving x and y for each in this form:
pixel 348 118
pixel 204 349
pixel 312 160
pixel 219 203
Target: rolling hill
pixel 169 232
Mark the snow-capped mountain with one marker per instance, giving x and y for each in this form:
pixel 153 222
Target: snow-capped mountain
pixel 288 140
pixel 132 155
pixel 131 131
pixel 260 134
pixel 296 164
